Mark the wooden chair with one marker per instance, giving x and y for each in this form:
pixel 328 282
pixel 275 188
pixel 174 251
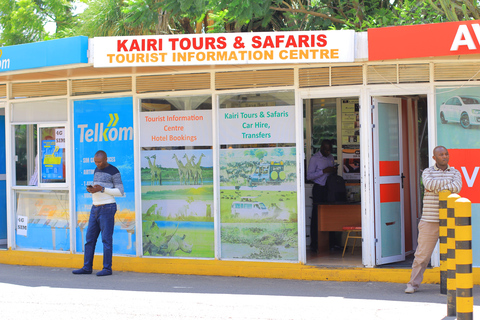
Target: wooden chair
pixel 357 235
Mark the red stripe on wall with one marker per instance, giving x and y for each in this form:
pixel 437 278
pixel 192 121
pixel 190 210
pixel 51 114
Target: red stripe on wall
pixel 390 192
pixel 389 168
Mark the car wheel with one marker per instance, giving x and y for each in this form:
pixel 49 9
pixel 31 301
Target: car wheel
pixel 442 118
pixel 465 120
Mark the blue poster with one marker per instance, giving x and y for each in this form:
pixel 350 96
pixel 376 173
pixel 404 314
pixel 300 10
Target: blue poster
pixel 105 124
pixel 52 162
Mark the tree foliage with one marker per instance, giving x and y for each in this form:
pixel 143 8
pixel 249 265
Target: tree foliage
pixel 23 21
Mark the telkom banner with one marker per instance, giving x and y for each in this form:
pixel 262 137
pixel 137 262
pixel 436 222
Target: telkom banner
pixel 105 124
pixel 231 48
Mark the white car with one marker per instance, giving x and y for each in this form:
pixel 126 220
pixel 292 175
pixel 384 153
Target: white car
pixel 463 109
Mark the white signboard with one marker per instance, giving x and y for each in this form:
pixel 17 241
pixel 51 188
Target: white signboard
pixel 176 128
pixel 225 49
pixel 22 225
pixel 60 138
pixel 257 125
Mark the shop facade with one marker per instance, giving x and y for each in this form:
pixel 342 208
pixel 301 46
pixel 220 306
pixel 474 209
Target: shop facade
pixel 213 135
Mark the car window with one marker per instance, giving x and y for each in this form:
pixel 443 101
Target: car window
pixel 469 100
pixel 456 102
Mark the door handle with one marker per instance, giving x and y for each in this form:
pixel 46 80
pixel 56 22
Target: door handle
pixel 403 177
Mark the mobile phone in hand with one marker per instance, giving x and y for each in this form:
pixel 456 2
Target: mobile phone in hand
pixel 89 186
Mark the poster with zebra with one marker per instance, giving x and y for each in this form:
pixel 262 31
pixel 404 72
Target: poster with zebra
pixel 177 202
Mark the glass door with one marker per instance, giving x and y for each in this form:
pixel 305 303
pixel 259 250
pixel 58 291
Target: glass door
pixel 389 215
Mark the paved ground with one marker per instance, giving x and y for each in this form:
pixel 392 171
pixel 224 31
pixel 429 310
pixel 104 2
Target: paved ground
pixel 54 293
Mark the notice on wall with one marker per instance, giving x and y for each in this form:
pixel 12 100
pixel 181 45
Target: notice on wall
pixel 22 225
pixel 176 128
pixel 257 125
pixel 60 137
pixel 351 164
pixel 350 122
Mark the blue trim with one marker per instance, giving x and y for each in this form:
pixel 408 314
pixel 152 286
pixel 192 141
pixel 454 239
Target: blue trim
pixel 44 54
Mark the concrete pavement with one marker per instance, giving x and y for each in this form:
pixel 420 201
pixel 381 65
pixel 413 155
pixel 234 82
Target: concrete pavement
pixel 55 293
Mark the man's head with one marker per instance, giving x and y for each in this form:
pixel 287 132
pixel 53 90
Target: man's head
pixel 326 148
pixel 100 159
pixel 441 157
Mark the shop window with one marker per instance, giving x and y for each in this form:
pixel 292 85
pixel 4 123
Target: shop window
pixel 177 177
pixel 42 220
pixel 324 124
pixel 258 181
pixel 42 211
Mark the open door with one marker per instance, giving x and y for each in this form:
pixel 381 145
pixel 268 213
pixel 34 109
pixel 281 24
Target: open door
pixel 389 215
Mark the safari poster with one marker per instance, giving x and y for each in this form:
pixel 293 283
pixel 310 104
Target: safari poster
pixel 458 129
pixel 177 203
pixel 105 124
pixel 258 204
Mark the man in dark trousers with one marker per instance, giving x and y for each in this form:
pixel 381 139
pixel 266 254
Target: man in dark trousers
pixel 107 184
pixel 320 167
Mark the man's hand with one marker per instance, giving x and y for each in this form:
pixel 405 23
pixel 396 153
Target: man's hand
pixel 96 188
pixel 330 170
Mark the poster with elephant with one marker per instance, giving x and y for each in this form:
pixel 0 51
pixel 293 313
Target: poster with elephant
pixel 258 204
pixel 177 203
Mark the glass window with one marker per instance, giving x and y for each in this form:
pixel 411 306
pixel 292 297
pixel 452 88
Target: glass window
pixel 177 177
pixel 26 168
pixel 324 123
pixel 258 185
pixel 42 220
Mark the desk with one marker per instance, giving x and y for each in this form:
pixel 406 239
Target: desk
pixel 333 217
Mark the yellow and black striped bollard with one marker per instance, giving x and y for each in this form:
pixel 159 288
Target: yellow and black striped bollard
pixel 451 266
pixel 443 195
pixel 463 257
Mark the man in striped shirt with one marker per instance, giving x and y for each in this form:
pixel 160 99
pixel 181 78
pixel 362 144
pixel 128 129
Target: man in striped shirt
pixel 107 184
pixel 435 179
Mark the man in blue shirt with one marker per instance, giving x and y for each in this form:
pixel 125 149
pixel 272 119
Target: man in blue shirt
pixel 107 184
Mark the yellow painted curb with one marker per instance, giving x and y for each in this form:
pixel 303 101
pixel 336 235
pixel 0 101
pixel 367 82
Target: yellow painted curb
pixel 251 269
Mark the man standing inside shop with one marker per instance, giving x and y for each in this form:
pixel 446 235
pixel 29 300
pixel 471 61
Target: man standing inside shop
pixel 107 184
pixel 320 167
pixel 435 179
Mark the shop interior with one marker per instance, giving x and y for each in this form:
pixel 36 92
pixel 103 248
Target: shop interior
pixel 337 119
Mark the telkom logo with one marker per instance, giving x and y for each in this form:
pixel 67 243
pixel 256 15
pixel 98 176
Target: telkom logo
pixel 5 63
pixel 110 133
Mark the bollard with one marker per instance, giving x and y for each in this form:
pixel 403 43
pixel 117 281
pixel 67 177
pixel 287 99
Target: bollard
pixel 463 258
pixel 442 195
pixel 451 268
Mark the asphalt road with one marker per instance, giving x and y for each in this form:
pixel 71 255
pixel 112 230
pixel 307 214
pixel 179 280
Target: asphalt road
pixel 55 293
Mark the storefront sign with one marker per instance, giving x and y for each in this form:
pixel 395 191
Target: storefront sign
pixel 22 225
pixel 226 48
pixel 176 128
pixel 429 40
pixel 257 125
pixel 44 54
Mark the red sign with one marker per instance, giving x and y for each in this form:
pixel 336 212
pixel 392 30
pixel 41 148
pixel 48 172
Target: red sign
pixel 467 162
pixel 427 40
